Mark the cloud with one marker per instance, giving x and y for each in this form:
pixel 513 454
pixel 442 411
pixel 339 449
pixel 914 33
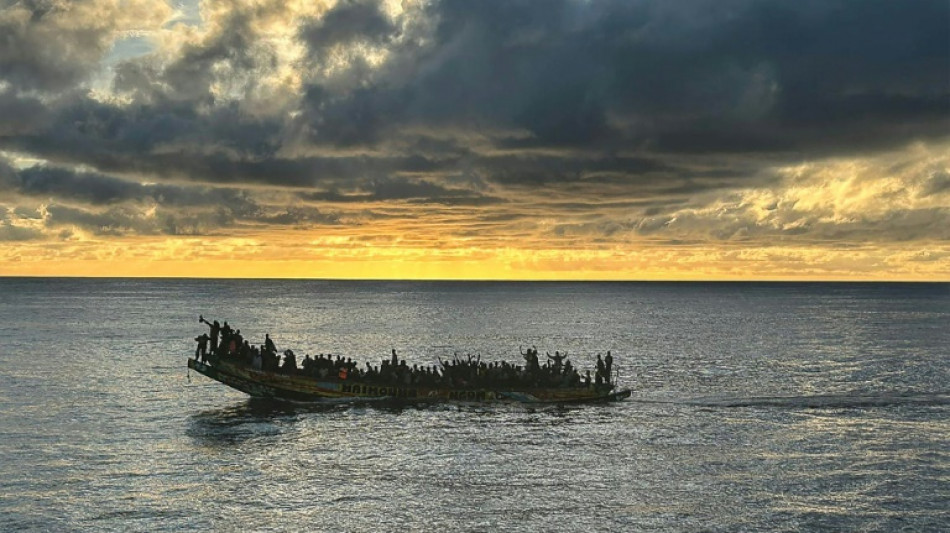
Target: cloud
pixel 22 115
pixel 938 182
pixel 588 79
pixel 579 124
pixel 19 225
pixel 892 197
pixel 108 205
pixel 698 77
pixel 347 22
pixel 51 46
pixel 400 189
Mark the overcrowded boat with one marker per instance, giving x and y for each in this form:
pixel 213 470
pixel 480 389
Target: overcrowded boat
pixel 259 371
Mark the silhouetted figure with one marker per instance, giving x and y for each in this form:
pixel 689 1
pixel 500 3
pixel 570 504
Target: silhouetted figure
pixel 290 362
pixel 531 360
pixel 225 346
pixel 558 361
pixel 202 348
pixel 270 361
pixel 601 370
pixel 269 345
pixel 215 331
pixel 608 365
pixel 236 342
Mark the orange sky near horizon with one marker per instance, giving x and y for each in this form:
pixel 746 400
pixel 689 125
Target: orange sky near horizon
pixel 184 258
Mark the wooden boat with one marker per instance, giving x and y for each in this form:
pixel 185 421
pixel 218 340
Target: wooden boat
pixel 302 388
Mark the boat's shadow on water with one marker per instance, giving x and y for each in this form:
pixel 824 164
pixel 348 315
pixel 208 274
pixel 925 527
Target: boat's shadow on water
pixel 235 424
pixel 263 419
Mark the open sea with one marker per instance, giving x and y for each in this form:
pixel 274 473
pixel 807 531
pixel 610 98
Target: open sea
pixel 755 407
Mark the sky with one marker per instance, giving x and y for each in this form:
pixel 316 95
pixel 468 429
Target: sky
pixel 490 139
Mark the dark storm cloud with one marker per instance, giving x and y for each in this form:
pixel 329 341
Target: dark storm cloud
pixel 346 22
pixel 36 53
pixel 579 81
pixel 84 187
pixel 222 145
pixel 729 76
pixel 539 170
pixel 360 117
pixel 516 64
pixel 164 138
pixel 98 189
pixel 19 115
pixel 111 206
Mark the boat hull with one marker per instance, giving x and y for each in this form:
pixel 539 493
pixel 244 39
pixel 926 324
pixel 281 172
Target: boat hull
pixel 299 388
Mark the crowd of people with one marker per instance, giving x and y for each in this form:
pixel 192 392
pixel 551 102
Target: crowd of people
pixel 224 342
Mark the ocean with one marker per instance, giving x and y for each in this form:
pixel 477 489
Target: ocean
pixel 755 407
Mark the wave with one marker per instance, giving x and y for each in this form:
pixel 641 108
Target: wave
pixel 820 401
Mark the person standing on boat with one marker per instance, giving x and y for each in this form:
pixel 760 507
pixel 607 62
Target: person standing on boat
pixel 269 345
pixel 202 348
pixel 608 365
pixel 601 370
pixel 290 362
pixel 225 344
pixel 215 330
pixel 234 344
pixel 558 361
pixel 531 361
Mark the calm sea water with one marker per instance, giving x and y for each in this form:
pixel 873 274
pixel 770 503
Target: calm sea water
pixel 756 407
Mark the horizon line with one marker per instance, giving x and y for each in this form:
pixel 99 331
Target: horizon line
pixel 486 280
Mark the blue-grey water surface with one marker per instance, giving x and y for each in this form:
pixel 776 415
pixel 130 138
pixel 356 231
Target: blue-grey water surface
pixel 756 407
